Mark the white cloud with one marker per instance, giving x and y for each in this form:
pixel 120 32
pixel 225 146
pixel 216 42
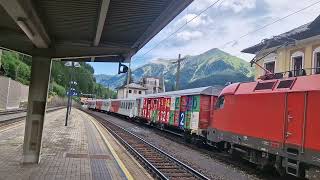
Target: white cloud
pixel 216 26
pixel 193 21
pixel 238 5
pixel 199 5
pixel 189 35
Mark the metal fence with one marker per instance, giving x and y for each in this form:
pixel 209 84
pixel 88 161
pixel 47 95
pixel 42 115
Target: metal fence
pixel 12 93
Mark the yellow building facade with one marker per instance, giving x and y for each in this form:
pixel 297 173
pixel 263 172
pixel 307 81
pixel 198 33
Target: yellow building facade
pixel 308 49
pixel 293 53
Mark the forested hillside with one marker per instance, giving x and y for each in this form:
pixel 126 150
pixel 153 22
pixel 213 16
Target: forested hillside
pixel 18 67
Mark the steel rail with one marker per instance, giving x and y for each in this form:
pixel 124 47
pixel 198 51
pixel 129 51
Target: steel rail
pixel 140 148
pixel 12 112
pixel 19 118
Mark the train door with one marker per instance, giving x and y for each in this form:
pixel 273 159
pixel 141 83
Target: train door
pixel 183 109
pixel 177 111
pixel 139 106
pixel 295 119
pixel 167 110
pixel 295 130
pixel 188 112
pixel 172 110
pixel 148 109
pixel 161 110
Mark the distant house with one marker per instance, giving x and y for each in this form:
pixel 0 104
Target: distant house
pixel 132 90
pixel 296 52
pixel 153 85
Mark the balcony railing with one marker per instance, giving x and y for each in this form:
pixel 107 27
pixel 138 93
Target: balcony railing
pixel 292 73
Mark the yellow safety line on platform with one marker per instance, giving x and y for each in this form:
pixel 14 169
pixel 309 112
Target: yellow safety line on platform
pixel 113 152
pixel 11 127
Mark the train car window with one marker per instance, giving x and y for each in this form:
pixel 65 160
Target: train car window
pixel 285 84
pixel 265 85
pixel 220 103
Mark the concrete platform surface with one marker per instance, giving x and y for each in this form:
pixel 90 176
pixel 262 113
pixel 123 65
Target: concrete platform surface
pixel 82 150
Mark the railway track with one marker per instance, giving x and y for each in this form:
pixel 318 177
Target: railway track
pixel 158 162
pixel 12 112
pixel 14 120
pixel 211 152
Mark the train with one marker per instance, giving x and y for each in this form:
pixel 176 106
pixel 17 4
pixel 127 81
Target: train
pixel 271 123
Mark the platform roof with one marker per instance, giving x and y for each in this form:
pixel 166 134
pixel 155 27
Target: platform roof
pixel 108 30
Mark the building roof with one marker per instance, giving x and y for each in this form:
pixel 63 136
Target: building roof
pixel 107 30
pixel 132 86
pixel 302 32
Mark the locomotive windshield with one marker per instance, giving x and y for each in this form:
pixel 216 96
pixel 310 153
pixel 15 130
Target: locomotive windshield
pixel 220 103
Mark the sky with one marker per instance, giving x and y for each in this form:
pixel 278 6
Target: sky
pixel 226 21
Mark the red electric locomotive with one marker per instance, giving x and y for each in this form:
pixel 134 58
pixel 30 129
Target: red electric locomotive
pixel 273 122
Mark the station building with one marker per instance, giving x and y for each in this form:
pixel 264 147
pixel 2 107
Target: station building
pixel 294 53
pixel 153 85
pixel 130 91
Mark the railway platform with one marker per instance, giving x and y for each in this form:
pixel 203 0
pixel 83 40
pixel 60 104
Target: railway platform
pixel 82 150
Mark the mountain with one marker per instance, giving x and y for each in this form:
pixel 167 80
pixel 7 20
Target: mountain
pixel 211 68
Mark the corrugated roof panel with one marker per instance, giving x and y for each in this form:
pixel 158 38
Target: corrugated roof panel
pixel 71 19
pixel 130 19
pixel 71 26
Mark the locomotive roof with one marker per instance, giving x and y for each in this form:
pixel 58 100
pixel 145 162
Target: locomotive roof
pixel 293 84
pixel 209 90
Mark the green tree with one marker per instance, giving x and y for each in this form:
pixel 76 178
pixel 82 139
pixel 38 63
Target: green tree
pixel 18 67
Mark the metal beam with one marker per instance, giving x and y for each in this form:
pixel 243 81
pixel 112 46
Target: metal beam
pixel 101 20
pixel 25 15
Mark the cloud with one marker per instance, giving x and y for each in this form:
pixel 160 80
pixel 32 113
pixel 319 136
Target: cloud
pixel 193 21
pixel 189 35
pixel 238 5
pixel 227 22
pixel 199 5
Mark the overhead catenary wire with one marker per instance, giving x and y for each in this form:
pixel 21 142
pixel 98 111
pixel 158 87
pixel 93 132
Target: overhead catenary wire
pixel 235 40
pixel 271 23
pixel 177 30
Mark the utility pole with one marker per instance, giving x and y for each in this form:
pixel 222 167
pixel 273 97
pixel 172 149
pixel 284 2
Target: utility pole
pixel 2 72
pixel 128 79
pixel 69 96
pixel 178 71
pixel 0 57
pixel 73 65
pixel 108 91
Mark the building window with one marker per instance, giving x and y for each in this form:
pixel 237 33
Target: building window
pixel 297 60
pixel 130 91
pixel 270 66
pixel 316 61
pixel 139 92
pixel 270 62
pixel 134 91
